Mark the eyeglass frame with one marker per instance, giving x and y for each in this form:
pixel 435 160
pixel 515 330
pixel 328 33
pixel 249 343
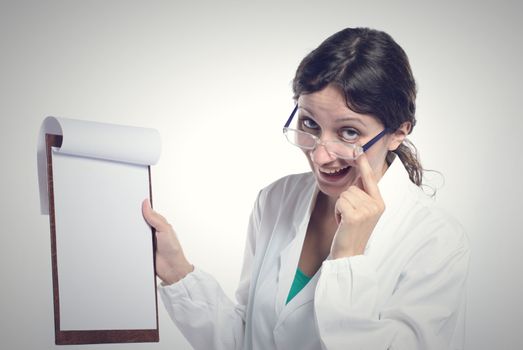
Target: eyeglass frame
pixel 365 147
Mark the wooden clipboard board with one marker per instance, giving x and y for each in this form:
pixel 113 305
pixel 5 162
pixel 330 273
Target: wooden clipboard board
pixel 89 336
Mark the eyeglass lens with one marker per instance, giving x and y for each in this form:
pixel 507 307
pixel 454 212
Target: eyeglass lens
pixel 308 142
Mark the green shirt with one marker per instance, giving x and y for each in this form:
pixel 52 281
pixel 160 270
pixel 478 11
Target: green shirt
pixel 300 280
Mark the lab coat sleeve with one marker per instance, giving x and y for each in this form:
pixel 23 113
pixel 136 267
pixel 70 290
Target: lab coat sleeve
pixel 198 306
pixel 424 311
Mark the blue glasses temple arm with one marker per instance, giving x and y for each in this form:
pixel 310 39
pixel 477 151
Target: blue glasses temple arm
pixel 290 117
pixel 374 140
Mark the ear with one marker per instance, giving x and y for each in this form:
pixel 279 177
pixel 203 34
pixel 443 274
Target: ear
pixel 397 137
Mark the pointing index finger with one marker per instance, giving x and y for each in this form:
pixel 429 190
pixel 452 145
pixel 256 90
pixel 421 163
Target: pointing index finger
pixel 368 178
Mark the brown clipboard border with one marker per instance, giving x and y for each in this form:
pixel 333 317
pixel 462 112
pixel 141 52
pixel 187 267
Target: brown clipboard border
pixel 89 336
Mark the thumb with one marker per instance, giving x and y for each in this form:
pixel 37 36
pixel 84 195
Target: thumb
pixel 153 218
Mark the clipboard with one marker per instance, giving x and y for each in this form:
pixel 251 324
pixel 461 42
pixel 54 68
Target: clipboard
pixel 95 300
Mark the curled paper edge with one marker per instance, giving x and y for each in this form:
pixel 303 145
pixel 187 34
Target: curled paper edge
pixel 83 138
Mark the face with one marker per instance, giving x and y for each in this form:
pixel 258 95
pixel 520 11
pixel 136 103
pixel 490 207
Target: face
pixel 326 115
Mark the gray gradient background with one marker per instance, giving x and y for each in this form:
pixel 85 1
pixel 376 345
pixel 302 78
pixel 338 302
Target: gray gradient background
pixel 214 79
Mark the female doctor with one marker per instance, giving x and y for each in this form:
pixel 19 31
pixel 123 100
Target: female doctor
pixel 352 255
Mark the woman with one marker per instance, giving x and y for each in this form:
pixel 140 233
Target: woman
pixel 352 255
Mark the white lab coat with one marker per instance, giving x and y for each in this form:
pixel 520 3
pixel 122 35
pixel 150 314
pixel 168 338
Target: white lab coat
pixel 407 291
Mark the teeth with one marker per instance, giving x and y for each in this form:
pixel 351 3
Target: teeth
pixel 333 171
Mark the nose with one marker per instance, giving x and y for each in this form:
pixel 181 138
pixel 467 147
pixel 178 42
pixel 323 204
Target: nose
pixel 321 155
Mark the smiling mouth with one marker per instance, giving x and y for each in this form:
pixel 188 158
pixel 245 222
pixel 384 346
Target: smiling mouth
pixel 334 174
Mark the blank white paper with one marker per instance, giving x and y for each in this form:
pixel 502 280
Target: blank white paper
pixel 104 246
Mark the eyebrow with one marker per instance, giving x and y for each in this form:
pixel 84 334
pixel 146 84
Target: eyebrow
pixel 349 119
pixel 338 120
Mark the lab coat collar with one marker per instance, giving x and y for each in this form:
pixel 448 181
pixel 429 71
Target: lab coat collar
pixel 394 186
pixel 393 183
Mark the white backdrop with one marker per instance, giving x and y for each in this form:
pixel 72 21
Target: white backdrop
pixel 214 78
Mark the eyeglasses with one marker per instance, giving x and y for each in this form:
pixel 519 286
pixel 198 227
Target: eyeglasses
pixel 339 149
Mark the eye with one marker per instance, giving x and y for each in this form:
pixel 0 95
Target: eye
pixel 310 124
pixel 349 134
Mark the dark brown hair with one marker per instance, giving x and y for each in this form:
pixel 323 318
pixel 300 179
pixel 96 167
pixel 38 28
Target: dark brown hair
pixel 374 74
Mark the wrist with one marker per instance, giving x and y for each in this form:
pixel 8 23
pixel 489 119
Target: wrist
pixel 177 272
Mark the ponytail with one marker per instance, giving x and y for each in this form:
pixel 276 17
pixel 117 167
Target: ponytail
pixel 408 155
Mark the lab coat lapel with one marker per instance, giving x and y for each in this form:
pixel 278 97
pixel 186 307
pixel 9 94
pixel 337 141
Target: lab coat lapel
pixel 289 259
